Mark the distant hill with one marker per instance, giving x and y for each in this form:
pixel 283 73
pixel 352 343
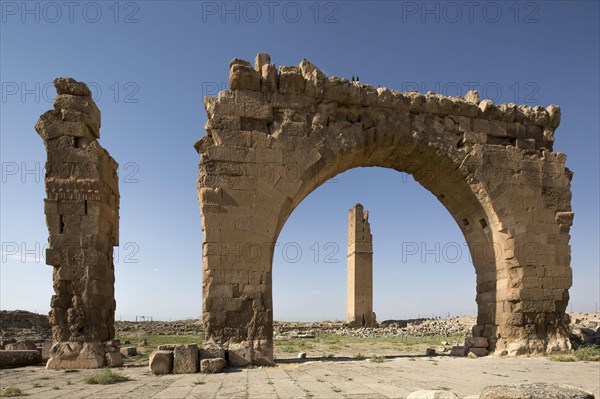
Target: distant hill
pixel 24 323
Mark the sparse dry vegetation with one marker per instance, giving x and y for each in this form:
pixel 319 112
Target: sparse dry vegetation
pixel 106 377
pixel 582 354
pixel 11 392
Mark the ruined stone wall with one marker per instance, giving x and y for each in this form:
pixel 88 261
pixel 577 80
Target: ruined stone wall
pixel 278 134
pixel 360 269
pixel 82 215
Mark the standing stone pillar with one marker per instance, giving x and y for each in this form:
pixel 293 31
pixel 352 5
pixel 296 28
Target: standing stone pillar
pixel 82 215
pixel 360 269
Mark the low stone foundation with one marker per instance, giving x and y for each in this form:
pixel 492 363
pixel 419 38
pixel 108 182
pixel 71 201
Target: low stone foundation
pixel 19 358
pixel 209 358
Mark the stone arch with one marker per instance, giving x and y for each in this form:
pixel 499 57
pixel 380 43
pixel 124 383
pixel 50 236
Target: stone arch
pixel 277 135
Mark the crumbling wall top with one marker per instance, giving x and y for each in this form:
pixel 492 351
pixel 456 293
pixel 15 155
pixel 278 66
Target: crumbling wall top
pixel 305 85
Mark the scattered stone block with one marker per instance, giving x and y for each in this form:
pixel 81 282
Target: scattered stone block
pixel 143 343
pixel 430 352
pixel 305 335
pixel 21 345
pixel 239 355
pixel 161 362
pixel 459 351
pixel 212 365
pixel 129 351
pixel 211 350
pixel 302 355
pixel 114 359
pixel 479 352
pixel 167 347
pixel 185 359
pixel 19 358
pixel 580 336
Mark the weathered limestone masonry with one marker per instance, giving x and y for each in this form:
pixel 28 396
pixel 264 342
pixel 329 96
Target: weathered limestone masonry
pixel 360 269
pixel 278 134
pixel 82 214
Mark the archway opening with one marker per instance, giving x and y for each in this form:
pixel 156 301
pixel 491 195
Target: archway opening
pixel 422 267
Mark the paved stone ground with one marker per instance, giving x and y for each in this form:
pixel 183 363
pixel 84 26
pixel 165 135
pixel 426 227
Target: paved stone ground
pixel 331 379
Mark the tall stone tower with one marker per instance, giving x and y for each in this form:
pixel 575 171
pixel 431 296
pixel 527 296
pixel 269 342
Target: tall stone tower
pixel 360 269
pixel 82 214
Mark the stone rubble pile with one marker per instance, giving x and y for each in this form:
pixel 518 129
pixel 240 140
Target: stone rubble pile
pixel 584 329
pixel 179 327
pixel 11 345
pixel 453 326
pixel 472 347
pixel 41 345
pixel 478 346
pixel 189 358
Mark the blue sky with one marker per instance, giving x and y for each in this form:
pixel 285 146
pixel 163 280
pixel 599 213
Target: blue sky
pixel 149 64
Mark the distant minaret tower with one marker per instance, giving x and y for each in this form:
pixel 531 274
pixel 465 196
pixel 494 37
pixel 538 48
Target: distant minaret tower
pixel 360 269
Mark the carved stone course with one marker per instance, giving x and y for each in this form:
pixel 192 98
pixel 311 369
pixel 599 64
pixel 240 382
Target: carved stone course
pixel 82 214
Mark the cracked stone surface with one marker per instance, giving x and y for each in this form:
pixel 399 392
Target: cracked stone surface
pixel 396 378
